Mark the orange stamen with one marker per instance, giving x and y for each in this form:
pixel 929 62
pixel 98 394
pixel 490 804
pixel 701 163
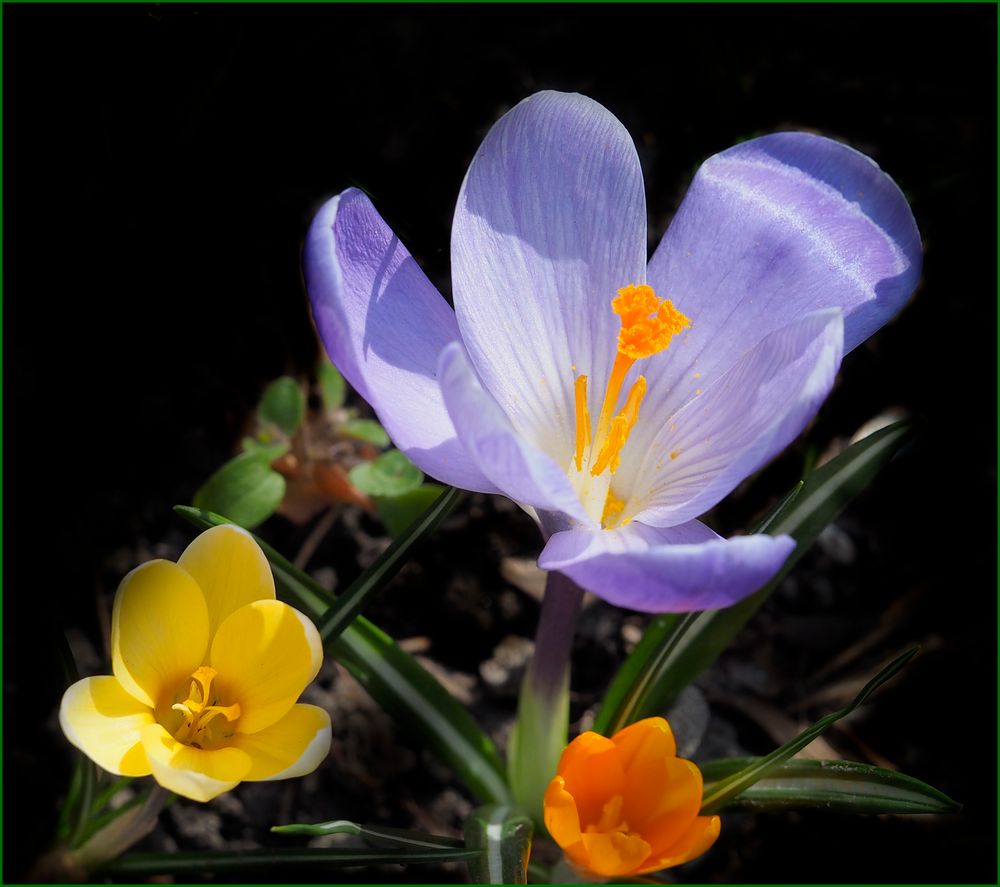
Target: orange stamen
pixel 621 427
pixel 582 420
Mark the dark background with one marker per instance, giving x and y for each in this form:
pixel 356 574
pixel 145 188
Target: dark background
pixel 162 164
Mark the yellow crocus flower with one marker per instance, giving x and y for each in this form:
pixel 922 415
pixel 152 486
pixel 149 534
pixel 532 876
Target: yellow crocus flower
pixel 207 671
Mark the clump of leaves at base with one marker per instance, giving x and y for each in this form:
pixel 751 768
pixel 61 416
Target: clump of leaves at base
pixel 306 452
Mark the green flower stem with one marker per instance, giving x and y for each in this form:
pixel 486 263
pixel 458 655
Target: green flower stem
pixel 539 735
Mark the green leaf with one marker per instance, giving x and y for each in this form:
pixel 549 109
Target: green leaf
pixel 252 860
pixel 379 836
pixel 503 835
pixel 374 579
pixel 841 786
pixel 367 430
pixel 332 386
pixel 283 403
pixel 269 450
pixel 676 648
pixel 729 787
pixel 397 682
pixel 391 474
pixel 398 512
pixel 246 489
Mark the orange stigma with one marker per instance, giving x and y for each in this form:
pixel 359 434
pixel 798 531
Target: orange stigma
pixel 647 326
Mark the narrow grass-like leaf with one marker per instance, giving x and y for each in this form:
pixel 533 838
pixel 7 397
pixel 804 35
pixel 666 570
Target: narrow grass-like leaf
pixel 246 489
pixel 378 836
pixel 503 835
pixel 728 788
pixel 251 860
pixel 404 689
pixel 841 786
pixel 676 648
pixel 283 403
pixel 349 604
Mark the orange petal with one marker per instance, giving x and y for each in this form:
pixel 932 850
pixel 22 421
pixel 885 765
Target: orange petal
pixel 593 774
pixel 613 853
pixel 672 808
pixel 561 817
pixel 649 739
pixel 694 841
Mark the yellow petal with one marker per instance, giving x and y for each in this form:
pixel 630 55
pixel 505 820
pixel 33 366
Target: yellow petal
pixel 613 853
pixel 695 840
pixel 195 773
pixel 294 746
pixel 230 568
pixel 673 803
pixel 593 774
pixel 265 654
pixel 159 630
pixel 105 723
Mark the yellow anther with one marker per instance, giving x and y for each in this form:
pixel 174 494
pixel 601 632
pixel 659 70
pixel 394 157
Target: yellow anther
pixel 648 324
pixel 621 427
pixel 198 710
pixel 582 420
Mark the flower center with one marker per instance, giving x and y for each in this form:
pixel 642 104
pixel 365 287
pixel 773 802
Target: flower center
pixel 647 326
pixel 200 725
pixel 611 819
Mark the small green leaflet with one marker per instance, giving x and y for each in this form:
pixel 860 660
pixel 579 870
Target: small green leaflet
pixel 283 403
pixel 246 490
pixel 391 474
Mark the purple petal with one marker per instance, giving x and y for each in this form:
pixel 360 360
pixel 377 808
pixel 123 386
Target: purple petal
pixel 669 570
pixel 384 324
pixel 517 468
pixel 740 422
pixel 770 230
pixel 550 223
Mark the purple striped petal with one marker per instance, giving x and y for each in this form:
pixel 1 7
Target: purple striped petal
pixel 770 230
pixel 384 324
pixel 666 570
pixel 739 423
pixel 518 469
pixel 550 223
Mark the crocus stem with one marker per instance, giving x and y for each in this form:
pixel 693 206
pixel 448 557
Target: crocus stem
pixel 543 708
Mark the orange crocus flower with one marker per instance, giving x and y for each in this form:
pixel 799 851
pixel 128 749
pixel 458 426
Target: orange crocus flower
pixel 628 805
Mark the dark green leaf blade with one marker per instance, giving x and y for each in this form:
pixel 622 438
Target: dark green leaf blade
pixel 401 686
pixel 246 489
pixel 349 604
pixel 379 836
pixel 841 786
pixel 675 648
pixel 502 833
pixel 729 787
pixel 251 860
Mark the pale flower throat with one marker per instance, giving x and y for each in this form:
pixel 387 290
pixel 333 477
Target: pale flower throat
pixel 648 325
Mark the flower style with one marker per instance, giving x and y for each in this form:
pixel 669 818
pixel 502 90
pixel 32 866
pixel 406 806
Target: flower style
pixel 208 668
pixel 617 401
pixel 628 805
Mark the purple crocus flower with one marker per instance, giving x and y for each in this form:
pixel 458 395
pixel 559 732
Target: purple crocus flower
pixel 616 400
